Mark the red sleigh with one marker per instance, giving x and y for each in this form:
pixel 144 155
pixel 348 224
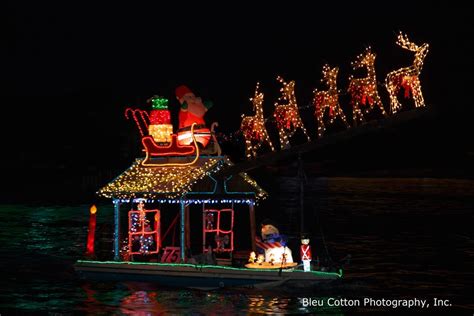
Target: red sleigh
pixel 173 149
pixel 154 150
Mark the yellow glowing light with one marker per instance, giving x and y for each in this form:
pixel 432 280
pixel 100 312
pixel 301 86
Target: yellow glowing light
pixel 253 127
pixel 93 209
pixel 287 116
pixel 363 91
pixel 161 133
pixel 168 181
pixel 328 99
pixel 408 77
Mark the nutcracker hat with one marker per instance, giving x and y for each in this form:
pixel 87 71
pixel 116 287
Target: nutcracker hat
pixel 181 91
pixel 305 236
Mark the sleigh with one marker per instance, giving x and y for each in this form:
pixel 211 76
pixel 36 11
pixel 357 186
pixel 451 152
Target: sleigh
pixel 189 142
pixel 173 149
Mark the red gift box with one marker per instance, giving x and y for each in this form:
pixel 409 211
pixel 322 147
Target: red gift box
pixel 160 117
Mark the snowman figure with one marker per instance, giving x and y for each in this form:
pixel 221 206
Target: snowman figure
pixel 276 250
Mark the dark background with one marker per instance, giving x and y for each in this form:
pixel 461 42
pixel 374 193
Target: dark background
pixel 72 68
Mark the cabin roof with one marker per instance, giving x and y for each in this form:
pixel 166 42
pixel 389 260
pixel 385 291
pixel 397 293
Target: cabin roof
pixel 173 182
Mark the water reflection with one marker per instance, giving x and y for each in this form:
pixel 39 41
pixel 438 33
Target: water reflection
pixel 141 303
pixel 144 299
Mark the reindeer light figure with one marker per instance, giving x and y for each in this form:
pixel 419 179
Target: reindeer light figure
pixel 328 99
pixel 286 115
pixel 253 127
pixel 408 77
pixel 363 91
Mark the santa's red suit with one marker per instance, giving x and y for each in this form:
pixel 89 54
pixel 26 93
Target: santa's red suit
pixel 192 111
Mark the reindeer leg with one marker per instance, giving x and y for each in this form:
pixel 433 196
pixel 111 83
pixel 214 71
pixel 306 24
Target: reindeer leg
pixel 248 148
pixel 379 103
pixel 392 89
pixel 321 126
pixel 268 140
pixel 362 113
pixel 354 114
pixel 255 148
pixel 417 95
pixel 283 139
pixel 305 132
pixel 342 115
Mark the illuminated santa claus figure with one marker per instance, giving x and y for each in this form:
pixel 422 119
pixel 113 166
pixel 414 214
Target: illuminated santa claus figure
pixel 305 253
pixel 192 110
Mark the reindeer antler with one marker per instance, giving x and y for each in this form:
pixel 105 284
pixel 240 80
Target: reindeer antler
pixel 257 100
pixel 363 59
pixel 404 42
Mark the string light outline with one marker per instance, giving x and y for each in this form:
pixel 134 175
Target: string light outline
pixel 407 77
pixel 287 115
pixel 253 127
pixel 328 99
pixel 364 90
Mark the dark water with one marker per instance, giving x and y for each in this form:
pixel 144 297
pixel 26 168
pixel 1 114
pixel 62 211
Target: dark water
pixel 408 238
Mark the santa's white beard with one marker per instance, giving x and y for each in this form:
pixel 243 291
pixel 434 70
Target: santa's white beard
pixel 276 253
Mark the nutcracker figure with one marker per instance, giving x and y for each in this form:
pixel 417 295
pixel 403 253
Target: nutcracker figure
pixel 305 252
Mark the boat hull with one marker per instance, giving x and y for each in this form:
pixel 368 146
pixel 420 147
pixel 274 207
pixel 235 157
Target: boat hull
pixel 198 276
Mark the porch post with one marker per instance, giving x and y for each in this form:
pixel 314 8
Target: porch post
pixel 116 230
pixel 252 226
pixel 187 228
pixel 182 226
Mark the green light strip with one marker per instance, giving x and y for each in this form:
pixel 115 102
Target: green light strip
pixel 196 266
pixel 158 103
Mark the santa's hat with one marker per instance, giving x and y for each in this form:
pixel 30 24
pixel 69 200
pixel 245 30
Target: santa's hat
pixel 181 91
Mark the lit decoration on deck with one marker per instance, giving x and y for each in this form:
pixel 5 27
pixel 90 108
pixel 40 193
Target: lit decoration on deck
pixel 252 257
pixel 91 232
pixel 171 255
pixel 305 253
pixel 260 259
pixel 273 244
pixel 408 77
pixel 278 255
pixel 287 116
pixel 328 99
pixel 363 91
pixel 253 127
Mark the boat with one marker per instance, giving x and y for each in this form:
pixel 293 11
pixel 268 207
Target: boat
pixel 202 277
pixel 171 176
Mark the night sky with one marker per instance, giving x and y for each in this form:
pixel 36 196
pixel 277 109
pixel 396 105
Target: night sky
pixel 72 69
